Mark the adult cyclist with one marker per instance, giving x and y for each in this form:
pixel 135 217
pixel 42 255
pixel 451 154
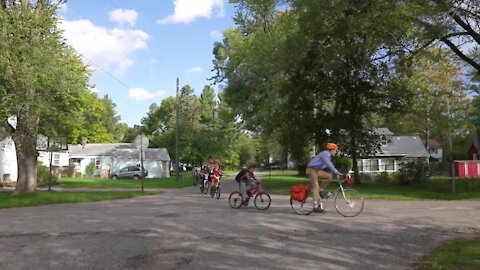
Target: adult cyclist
pixel 320 171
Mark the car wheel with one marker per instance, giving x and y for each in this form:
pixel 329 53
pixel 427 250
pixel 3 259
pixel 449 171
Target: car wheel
pixel 113 177
pixel 136 177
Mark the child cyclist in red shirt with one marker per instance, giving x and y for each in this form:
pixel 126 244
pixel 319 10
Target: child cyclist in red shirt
pixel 215 175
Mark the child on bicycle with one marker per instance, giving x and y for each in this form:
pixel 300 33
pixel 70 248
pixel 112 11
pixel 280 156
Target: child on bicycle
pixel 247 182
pixel 215 175
pixel 320 169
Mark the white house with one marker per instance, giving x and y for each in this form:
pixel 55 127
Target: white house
pixel 394 150
pixel 115 156
pixel 8 160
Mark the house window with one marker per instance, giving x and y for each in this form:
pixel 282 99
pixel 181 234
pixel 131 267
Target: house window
pixel 360 165
pixel 97 163
pixel 56 159
pixel 370 165
pixel 389 164
pixel 475 156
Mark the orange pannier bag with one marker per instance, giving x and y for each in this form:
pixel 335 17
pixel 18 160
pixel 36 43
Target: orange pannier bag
pixel 298 192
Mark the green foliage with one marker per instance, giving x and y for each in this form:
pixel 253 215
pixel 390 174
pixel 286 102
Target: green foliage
pixel 453 254
pixel 90 169
pixel 8 200
pixel 413 173
pixel 343 163
pixel 385 178
pixel 43 174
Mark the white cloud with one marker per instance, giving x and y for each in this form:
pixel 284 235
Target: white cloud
pixel 123 16
pixel 140 94
pixel 107 48
pixel 195 70
pixel 215 35
pixel 186 11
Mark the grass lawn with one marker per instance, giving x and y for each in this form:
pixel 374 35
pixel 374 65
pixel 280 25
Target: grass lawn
pixel 184 181
pixel 7 200
pixel 458 254
pixel 280 184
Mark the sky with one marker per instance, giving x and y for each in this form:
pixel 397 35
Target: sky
pixel 138 48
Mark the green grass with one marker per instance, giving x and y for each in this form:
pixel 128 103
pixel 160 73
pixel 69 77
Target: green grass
pixel 280 184
pixel 8 200
pixel 458 254
pixel 184 181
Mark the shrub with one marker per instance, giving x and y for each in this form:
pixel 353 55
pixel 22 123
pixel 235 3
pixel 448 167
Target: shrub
pixel 78 175
pixel 343 164
pixel 385 178
pixel 413 172
pixel 43 174
pixel 90 169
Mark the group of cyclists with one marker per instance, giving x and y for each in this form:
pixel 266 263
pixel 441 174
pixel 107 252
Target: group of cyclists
pixel 320 170
pixel 208 177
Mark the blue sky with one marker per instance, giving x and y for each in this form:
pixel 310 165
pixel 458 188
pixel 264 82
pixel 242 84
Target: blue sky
pixel 138 48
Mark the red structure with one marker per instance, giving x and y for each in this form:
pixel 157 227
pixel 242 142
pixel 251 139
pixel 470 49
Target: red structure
pixel 468 168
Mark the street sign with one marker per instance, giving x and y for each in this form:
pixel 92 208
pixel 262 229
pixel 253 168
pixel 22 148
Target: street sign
pixel 141 142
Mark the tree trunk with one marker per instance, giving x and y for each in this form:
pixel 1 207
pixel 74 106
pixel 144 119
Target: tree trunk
pixel 25 137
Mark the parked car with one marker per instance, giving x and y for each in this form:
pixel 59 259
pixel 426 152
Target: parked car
pixel 134 172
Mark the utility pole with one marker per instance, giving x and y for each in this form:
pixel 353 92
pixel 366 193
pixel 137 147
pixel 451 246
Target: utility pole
pixel 177 138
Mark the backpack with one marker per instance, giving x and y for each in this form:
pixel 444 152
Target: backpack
pixel 239 175
pixel 298 192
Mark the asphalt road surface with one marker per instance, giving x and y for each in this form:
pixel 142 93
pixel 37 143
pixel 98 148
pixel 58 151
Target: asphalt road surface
pixel 182 229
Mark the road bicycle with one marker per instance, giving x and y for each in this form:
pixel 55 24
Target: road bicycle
pixel 348 201
pixel 215 190
pixel 261 199
pixel 195 177
pixel 204 186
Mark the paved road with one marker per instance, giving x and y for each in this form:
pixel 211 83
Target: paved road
pixel 182 229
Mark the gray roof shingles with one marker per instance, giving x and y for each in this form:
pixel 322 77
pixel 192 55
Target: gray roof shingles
pixel 117 150
pixel 405 146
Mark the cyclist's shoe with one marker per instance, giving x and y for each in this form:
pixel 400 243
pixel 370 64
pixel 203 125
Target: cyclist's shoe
pixel 245 203
pixel 325 195
pixel 318 210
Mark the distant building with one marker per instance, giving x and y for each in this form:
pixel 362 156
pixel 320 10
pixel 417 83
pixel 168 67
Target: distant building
pixel 474 149
pixel 435 150
pixel 394 150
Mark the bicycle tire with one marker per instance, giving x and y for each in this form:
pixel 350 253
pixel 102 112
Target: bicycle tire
pixel 350 205
pixel 235 200
pixel 218 193
pixel 262 201
pixel 303 207
pixel 206 188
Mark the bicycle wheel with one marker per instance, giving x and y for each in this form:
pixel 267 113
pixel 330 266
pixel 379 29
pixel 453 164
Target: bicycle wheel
pixel 303 207
pixel 213 190
pixel 217 192
pixel 201 188
pixel 262 201
pixel 349 203
pixel 206 188
pixel 235 199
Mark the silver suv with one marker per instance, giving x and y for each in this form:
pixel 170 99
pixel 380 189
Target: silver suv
pixel 134 172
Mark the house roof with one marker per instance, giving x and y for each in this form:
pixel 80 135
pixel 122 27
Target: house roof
pixel 96 149
pixel 382 131
pixel 150 153
pixel 404 146
pixel 117 150
pixel 432 144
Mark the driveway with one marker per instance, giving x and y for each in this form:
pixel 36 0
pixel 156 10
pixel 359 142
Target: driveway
pixel 182 229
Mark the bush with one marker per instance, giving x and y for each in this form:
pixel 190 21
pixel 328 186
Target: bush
pixel 90 169
pixel 385 178
pixel 413 172
pixel 78 175
pixel 343 164
pixel 43 174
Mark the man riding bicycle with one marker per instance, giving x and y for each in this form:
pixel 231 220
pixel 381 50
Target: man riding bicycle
pixel 320 169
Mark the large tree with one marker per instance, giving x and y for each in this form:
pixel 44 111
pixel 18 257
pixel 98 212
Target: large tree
pixel 41 78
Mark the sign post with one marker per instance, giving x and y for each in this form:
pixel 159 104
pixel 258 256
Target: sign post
pixel 141 142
